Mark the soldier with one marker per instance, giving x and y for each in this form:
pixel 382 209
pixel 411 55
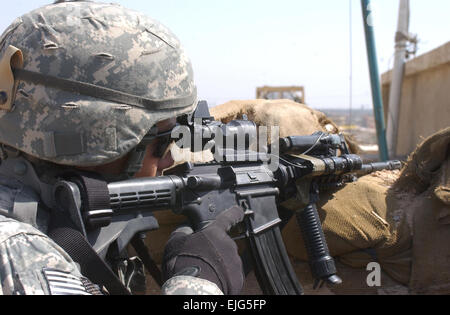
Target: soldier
pixel 82 84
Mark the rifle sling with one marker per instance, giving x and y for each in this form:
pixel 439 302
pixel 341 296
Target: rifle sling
pixel 92 266
pixel 95 197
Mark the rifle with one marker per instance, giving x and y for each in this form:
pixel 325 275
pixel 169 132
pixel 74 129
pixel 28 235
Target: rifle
pixel 202 191
pixel 305 176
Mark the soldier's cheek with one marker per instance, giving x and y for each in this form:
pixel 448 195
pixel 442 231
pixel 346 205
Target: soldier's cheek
pixel 164 163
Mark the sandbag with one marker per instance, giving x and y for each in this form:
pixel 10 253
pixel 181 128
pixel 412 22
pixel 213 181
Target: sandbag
pixel 426 180
pixel 361 227
pixel 400 220
pixel 294 119
pixel 425 163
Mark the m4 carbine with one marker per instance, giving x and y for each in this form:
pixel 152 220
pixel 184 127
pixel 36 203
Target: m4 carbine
pixel 201 192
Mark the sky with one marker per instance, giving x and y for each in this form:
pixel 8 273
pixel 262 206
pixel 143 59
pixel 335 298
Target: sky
pixel 239 45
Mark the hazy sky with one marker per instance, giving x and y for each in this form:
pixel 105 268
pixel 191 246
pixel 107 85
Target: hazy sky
pixel 238 45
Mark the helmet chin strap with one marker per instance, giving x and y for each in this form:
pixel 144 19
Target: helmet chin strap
pixel 137 156
pixel 136 161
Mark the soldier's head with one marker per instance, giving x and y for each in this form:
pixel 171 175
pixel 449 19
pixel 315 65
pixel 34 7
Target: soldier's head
pixel 90 85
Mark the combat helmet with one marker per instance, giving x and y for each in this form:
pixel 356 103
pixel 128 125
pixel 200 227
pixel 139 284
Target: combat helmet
pixel 82 83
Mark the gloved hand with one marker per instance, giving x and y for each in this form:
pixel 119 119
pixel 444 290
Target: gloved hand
pixel 208 254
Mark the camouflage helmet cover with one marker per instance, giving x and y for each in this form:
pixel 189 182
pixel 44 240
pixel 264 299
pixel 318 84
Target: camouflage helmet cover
pixel 103 45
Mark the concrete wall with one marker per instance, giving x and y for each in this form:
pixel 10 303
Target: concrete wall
pixel 425 105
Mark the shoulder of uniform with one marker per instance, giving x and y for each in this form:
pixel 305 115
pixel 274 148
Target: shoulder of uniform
pixel 10 228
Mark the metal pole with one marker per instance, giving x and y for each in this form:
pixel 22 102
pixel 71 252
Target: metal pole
pixel 375 80
pixel 351 61
pixel 401 44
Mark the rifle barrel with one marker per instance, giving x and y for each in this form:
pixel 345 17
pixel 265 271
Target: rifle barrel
pixel 380 166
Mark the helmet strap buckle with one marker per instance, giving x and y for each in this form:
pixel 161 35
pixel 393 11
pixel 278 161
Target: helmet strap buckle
pixel 8 152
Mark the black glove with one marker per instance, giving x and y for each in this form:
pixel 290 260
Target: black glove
pixel 208 254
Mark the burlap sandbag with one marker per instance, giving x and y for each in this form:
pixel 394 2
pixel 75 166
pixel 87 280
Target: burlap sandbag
pixel 426 182
pixel 361 226
pixel 399 220
pixel 294 119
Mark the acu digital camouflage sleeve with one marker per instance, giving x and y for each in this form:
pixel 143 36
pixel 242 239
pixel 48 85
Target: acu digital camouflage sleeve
pixel 29 260
pixel 186 285
pixel 27 255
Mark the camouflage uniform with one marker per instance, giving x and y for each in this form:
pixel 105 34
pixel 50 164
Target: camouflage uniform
pixel 89 81
pixel 186 285
pixel 29 260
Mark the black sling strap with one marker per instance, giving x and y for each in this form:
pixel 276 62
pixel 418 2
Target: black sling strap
pixel 95 196
pixel 92 266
